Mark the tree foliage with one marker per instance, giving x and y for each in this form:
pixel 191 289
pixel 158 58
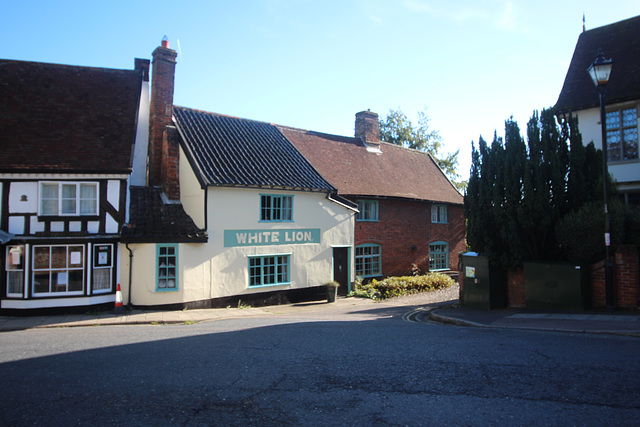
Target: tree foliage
pixel 518 193
pixel 397 128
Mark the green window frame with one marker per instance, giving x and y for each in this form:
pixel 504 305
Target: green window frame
pixel 438 256
pixel 368 260
pixel 276 208
pixel 439 214
pixel 269 270
pixel 368 210
pixel 167 268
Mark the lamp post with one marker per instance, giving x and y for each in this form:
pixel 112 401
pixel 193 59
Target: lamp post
pixel 600 70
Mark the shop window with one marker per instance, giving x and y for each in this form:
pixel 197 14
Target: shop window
pixel 368 260
pixel 167 278
pixel 438 256
pixel 269 270
pixel 58 270
pixel 64 198
pixel 102 268
pixel 367 210
pixel 15 270
pixel 439 214
pixel 622 134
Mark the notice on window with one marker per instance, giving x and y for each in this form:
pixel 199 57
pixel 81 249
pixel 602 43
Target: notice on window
pixel 62 279
pixel 76 258
pixel 103 258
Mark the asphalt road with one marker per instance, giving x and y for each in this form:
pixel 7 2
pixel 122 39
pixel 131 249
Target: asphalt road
pixel 363 371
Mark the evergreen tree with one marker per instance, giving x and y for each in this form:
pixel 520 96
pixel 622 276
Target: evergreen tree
pixel 519 192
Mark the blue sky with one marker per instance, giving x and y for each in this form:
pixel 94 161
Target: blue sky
pixel 313 64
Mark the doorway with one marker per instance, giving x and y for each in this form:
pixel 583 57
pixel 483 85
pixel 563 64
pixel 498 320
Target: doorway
pixel 341 269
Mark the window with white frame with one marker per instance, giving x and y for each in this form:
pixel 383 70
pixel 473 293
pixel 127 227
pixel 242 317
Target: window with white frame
pixel 438 256
pixel 269 270
pixel 276 208
pixel 439 214
pixel 167 267
pixel 367 210
pixel 622 134
pixel 102 268
pixel 15 270
pixel 68 198
pixel 58 269
pixel 368 260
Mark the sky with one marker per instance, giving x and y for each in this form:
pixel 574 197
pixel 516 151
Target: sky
pixel 471 64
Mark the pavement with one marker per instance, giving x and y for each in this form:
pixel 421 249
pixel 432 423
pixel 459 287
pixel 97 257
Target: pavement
pixel 620 323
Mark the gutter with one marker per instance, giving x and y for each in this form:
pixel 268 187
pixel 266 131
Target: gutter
pixel 130 272
pixel 335 198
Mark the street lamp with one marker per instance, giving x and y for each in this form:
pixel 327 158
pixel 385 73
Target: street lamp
pixel 600 71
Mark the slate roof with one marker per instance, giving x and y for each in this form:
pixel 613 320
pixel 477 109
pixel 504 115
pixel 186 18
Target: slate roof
pixel 354 171
pixel 63 118
pixel 152 220
pixel 619 41
pixel 234 152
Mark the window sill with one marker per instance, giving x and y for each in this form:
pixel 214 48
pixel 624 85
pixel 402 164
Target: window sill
pixel 269 286
pixel 68 217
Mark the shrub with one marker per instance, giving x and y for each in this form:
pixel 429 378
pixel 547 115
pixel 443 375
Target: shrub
pixel 404 285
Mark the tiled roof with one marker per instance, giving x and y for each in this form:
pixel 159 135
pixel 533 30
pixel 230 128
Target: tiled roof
pixel 354 171
pixel 229 151
pixel 619 41
pixel 154 220
pixel 63 118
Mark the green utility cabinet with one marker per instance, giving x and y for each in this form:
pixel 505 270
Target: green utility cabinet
pixel 554 285
pixel 483 286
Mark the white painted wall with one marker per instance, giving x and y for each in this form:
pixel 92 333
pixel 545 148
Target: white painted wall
pixel 211 270
pixel 139 173
pixel 23 197
pixel 191 194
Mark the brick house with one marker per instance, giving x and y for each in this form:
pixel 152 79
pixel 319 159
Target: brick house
pixel 68 134
pixel 410 214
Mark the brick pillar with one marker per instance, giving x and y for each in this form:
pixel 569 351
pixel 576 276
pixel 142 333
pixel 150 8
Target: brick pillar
pixel 367 126
pixel 162 83
pixel 627 279
pixel 515 287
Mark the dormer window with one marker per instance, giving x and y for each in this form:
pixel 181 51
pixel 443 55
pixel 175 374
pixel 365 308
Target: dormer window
pixel 68 199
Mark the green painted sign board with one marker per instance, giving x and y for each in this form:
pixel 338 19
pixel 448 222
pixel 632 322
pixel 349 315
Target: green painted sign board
pixel 234 238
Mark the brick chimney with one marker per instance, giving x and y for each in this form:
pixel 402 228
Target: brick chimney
pixel 162 83
pixel 367 126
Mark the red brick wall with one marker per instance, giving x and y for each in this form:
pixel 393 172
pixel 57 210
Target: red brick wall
pixel 405 231
pixel 627 279
pixel 161 109
pixel 171 164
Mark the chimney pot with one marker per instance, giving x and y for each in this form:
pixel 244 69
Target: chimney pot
pixel 165 42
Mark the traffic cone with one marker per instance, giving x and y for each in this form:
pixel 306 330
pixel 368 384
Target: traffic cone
pixel 118 308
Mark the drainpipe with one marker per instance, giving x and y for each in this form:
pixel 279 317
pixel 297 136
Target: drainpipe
pixel 130 269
